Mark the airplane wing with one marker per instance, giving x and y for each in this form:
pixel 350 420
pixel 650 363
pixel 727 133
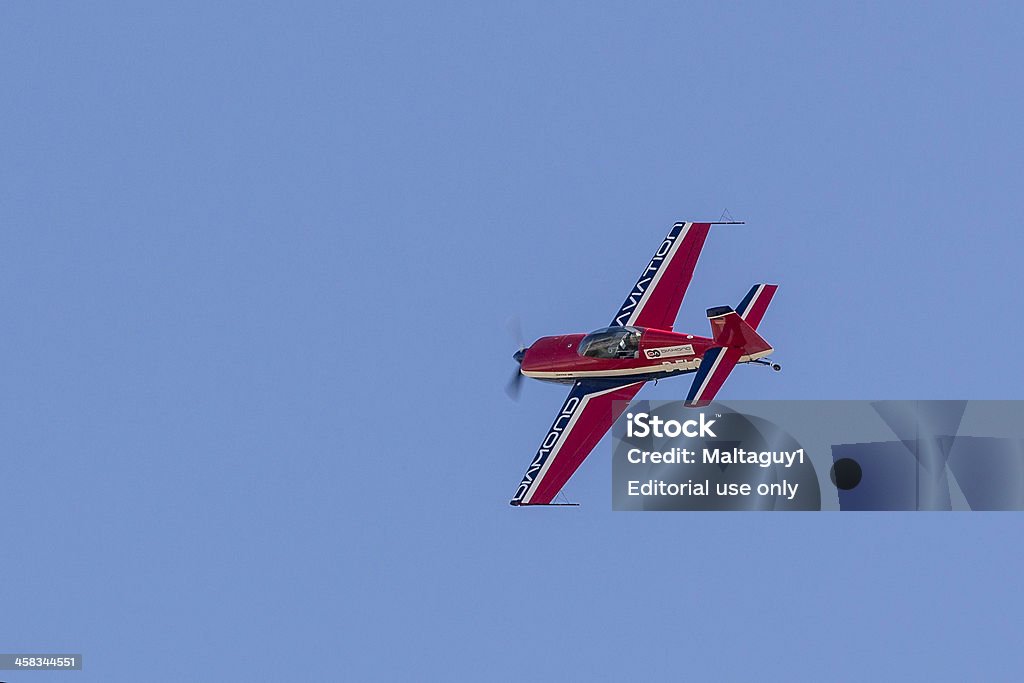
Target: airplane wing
pixel 588 412
pixel 715 366
pixel 655 298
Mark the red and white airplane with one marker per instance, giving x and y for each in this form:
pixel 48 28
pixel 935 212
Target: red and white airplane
pixel 607 367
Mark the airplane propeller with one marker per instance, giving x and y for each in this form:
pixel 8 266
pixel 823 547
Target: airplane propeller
pixel 514 385
pixel 515 328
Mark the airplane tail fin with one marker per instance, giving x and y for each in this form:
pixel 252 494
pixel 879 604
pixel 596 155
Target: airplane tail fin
pixel 737 341
pixel 730 330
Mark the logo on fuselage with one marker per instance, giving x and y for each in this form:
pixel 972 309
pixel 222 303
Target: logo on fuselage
pixel 670 351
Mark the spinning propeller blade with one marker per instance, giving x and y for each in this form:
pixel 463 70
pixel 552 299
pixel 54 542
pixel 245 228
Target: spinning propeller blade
pixel 514 385
pixel 515 329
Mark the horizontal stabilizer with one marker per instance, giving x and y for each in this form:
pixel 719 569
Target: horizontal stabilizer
pixel 755 303
pixel 715 366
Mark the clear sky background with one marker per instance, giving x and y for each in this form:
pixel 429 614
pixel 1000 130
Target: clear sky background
pixel 255 266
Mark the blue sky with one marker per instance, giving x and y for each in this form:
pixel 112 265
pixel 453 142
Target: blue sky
pixel 256 262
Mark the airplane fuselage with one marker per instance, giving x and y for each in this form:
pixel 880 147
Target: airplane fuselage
pixel 659 354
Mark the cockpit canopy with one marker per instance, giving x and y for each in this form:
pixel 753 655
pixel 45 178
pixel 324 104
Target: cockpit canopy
pixel 611 342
